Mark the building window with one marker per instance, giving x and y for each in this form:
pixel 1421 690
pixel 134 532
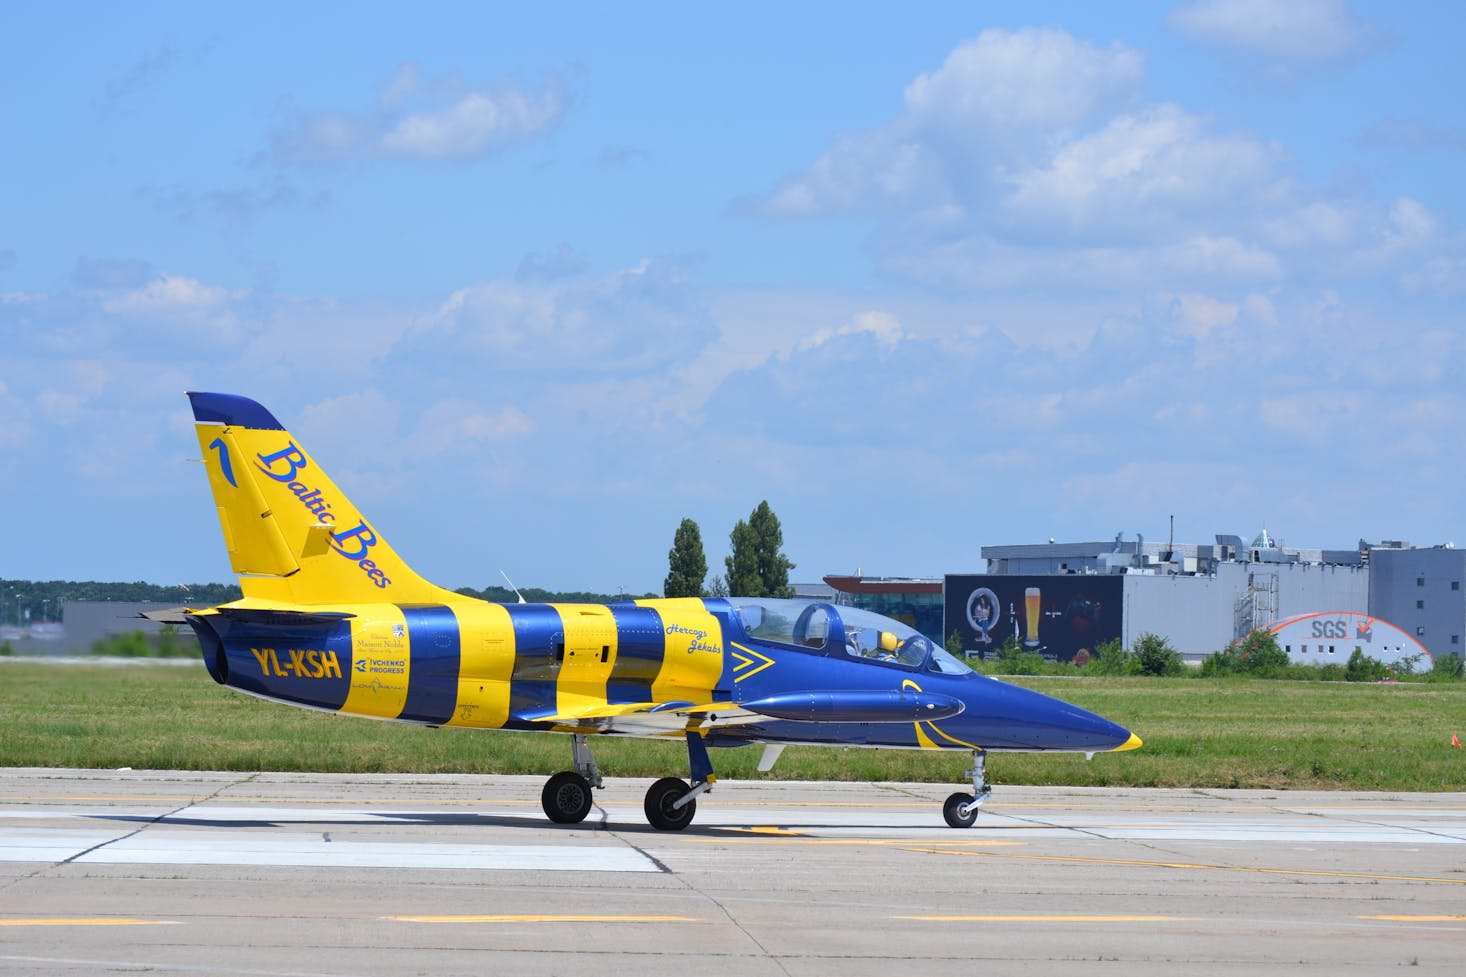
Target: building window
pixel 1455 639
pixel 1420 581
pixel 1420 605
pixel 1420 631
pixel 1455 585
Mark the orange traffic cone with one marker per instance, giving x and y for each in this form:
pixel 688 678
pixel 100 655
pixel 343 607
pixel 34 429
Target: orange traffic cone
pixel 1455 742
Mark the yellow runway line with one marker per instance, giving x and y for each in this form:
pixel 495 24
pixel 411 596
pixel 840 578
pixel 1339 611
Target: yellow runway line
pixel 87 921
pixel 1196 867
pixel 1049 919
pixel 793 838
pixel 565 918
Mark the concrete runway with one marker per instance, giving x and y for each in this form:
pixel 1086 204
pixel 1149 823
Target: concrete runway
pixel 281 874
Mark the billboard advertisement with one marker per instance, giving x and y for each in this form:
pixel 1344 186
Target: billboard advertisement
pixel 1061 616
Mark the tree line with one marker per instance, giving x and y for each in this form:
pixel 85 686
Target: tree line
pixel 755 566
pixel 25 602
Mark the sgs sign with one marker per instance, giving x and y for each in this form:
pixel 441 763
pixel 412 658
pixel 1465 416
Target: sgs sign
pixel 1337 629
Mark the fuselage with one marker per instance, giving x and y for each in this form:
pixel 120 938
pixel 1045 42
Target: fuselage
pixel 735 670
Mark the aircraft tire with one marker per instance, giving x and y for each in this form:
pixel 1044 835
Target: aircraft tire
pixel 566 798
pixel 660 797
pixel 952 811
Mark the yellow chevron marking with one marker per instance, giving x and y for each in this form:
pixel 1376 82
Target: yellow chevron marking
pixel 926 742
pixel 952 739
pixel 745 661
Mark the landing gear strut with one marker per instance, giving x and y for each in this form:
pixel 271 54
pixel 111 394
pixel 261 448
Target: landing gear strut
pixel 671 803
pixel 567 796
pixel 960 809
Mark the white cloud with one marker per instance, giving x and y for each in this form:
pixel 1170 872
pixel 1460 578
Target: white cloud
pixel 1411 225
pixel 475 125
pixel 1142 173
pixel 1295 31
pixel 1315 224
pixel 169 294
pixel 998 99
pixel 1317 420
pixel 1026 160
pixel 1441 276
pixel 1042 78
pixel 445 120
pixel 82 382
pixel 885 327
pixel 1200 315
pixel 630 321
pixel 460 425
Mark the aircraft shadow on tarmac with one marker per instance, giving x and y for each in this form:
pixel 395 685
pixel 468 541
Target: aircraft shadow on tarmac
pixel 459 819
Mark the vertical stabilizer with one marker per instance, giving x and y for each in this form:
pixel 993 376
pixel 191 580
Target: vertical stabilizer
pixel 292 535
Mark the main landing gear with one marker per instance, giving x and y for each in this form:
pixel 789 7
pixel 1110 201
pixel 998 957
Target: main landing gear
pixel 670 803
pixel 960 809
pixel 566 797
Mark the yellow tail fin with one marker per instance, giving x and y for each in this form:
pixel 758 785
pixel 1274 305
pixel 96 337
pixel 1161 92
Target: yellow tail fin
pixel 292 535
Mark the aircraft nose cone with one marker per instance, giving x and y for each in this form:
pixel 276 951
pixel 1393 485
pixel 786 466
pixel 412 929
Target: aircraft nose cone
pixel 1008 717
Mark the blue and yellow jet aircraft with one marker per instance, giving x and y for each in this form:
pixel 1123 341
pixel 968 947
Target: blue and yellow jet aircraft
pixel 333 619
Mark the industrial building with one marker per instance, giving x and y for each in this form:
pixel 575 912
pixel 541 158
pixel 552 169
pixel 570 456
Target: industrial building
pixel 1063 599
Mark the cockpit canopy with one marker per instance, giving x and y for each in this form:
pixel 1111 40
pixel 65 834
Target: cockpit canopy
pixel 834 630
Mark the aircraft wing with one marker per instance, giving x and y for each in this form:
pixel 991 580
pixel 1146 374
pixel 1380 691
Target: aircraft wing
pixel 902 706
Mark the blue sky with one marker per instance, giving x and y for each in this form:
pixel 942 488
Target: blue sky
pixel 535 284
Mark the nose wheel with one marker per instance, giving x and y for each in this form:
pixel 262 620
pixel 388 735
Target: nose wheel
pixel 960 810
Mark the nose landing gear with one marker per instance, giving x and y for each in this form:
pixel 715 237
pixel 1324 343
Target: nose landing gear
pixel 960 810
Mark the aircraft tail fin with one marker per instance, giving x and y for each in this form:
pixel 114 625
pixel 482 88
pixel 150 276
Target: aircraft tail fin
pixel 292 535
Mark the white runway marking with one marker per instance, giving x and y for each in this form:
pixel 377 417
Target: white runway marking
pixel 214 847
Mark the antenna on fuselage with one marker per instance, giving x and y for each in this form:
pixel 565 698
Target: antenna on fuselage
pixel 512 587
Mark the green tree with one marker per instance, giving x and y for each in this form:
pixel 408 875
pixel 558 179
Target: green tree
pixel 1447 668
pixel 1014 659
pixel 1362 668
pixel 1155 656
pixel 1256 654
pixel 686 564
pixel 1111 658
pixel 742 562
pixel 719 586
pixel 773 565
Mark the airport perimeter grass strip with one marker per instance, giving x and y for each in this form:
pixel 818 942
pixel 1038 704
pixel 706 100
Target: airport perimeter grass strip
pixel 1197 733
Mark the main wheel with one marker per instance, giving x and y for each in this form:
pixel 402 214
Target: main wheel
pixel 952 810
pixel 659 800
pixel 566 798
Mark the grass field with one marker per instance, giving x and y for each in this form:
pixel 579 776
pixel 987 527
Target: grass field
pixel 1198 733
